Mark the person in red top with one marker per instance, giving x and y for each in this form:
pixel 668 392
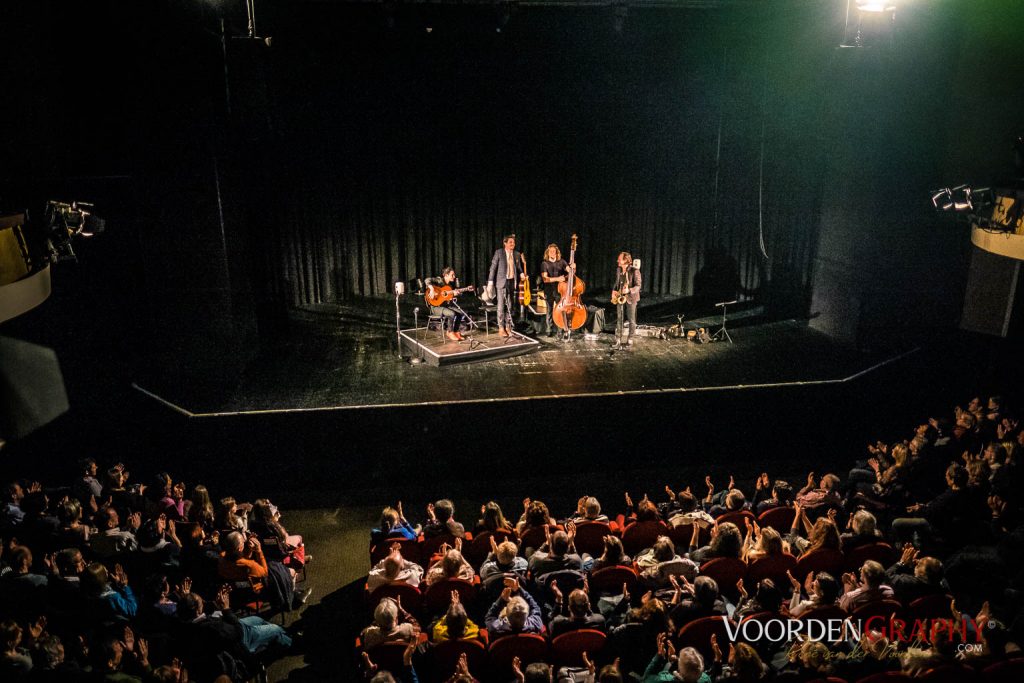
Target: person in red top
pixel 242 558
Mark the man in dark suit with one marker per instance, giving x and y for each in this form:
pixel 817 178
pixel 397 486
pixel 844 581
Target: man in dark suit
pixel 505 273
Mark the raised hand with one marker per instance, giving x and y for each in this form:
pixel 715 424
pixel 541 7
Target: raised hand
pixel 398 507
pixel 185 587
pixel 740 589
pixel 410 649
pixel 909 555
pixel 809 583
pixel 732 483
pixel 37 626
pixel 526 504
pixel 629 501
pixel 810 479
pixel 663 645
pixel 555 592
pixel 430 512
pixel 458 543
pixel 462 667
pixel 715 649
pixel 368 665
pixel 570 530
pixel 142 646
pixel 793 580
pixel 456 598
pixel 591 667
pixel 625 592
pixel 517 669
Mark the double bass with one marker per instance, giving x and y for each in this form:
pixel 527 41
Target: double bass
pixel 570 313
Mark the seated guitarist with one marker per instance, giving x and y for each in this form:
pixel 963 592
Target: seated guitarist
pixel 453 320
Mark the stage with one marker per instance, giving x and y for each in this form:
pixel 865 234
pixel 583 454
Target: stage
pixel 341 358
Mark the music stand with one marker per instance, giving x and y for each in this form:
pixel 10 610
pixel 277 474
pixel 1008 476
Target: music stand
pixel 723 334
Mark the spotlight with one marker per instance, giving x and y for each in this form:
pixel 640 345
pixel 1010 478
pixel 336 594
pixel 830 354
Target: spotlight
pixel 876 6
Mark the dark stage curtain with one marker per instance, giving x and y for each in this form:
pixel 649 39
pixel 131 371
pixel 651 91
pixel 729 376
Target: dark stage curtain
pixel 397 153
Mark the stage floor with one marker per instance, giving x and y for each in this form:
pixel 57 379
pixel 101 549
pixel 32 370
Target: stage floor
pixel 329 360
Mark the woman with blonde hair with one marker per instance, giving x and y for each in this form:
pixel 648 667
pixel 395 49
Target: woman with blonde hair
pixel 553 270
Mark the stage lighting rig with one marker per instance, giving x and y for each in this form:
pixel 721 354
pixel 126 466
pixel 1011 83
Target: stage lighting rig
pixel 66 221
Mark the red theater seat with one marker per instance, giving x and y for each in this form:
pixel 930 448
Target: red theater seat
pixel 697 634
pixel 609 580
pixel 879 552
pixel 780 519
pixel 821 560
pixel 590 537
pixel 568 648
pixel 642 535
pixel 528 647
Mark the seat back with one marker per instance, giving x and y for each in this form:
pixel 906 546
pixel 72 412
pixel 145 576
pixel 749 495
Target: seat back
pixel 726 571
pixel 820 560
pixel 642 535
pixel 772 567
pixel 876 609
pixel 568 648
pixel 535 536
pixel 410 596
pixel 477 550
pixel 433 544
pixel 590 537
pixel 697 634
pixel 445 656
pixel 887 677
pixel 609 580
pixel 880 552
pixel 410 550
pixel 779 518
pixel 1010 671
pixel 951 673
pixel 682 534
pixel 529 647
pixel 388 656
pixel 737 517
pixel 824 613
pixel 439 595
pixel 930 607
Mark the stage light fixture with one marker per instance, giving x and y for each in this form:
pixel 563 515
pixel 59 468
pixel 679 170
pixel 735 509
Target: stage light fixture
pixel 875 6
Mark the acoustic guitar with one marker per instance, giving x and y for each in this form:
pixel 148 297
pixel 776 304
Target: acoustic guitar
pixel 437 296
pixel 524 291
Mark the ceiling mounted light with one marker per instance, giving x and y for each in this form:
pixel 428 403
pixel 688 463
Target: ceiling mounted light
pixel 876 6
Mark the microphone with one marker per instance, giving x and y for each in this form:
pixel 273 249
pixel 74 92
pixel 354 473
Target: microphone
pixel 416 310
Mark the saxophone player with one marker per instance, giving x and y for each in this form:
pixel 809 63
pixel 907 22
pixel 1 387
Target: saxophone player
pixel 626 296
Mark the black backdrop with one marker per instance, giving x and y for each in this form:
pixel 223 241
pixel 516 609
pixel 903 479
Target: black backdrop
pixel 396 151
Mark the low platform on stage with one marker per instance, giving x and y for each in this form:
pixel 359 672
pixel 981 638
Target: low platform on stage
pixel 436 350
pixel 335 358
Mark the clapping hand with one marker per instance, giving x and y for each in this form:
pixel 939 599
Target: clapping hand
pixel 793 580
pixel 715 649
pixel 517 669
pixel 909 555
pixel 555 592
pixel 430 512
pixel 741 589
pixel 629 501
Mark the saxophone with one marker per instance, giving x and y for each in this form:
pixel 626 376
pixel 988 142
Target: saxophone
pixel 619 297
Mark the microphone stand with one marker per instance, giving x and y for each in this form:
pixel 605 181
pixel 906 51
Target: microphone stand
pixel 418 358
pixel 399 290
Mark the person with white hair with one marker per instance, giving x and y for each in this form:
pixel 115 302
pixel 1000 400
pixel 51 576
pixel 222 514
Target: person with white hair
pixel 515 611
pixel 390 623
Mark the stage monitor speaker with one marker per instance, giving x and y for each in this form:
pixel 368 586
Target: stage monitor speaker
pixel 993 285
pixel 31 388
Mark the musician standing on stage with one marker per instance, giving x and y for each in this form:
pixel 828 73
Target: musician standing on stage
pixel 627 281
pixel 506 272
pixel 453 320
pixel 553 270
